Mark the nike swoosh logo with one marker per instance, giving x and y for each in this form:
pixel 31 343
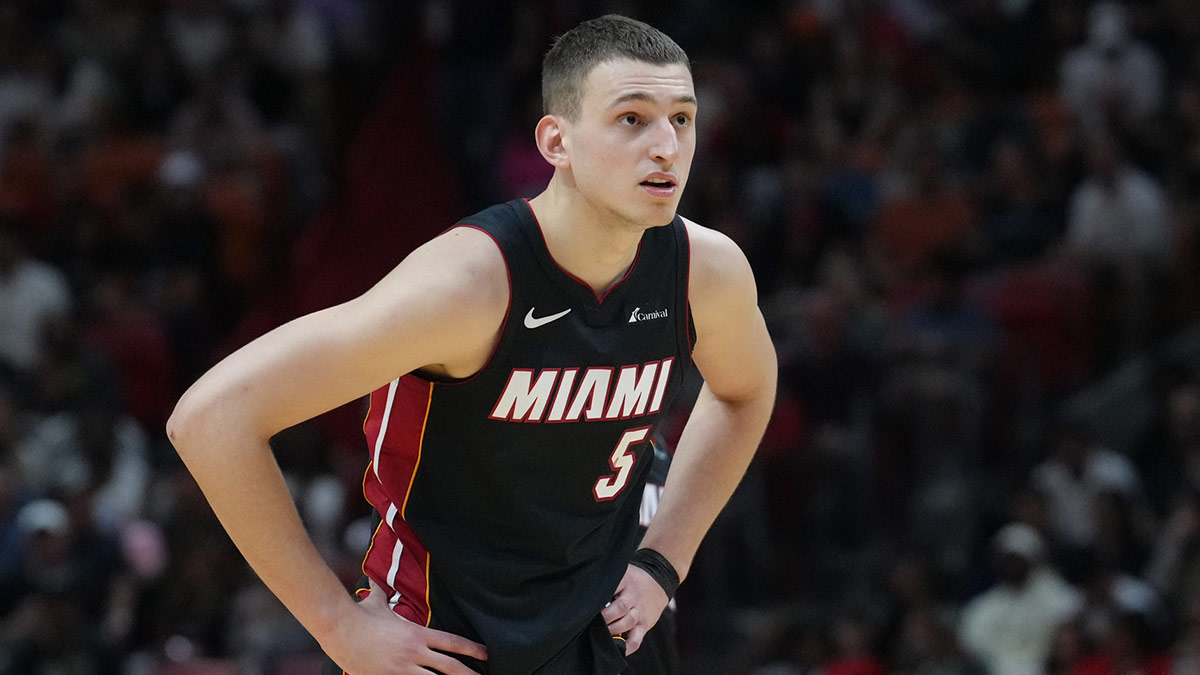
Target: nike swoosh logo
pixel 532 322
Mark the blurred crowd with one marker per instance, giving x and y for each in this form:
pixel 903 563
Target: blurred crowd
pixel 973 223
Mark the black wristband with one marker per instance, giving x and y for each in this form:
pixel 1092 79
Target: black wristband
pixel 659 568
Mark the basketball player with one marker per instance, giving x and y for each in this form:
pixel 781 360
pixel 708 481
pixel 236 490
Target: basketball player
pixel 517 365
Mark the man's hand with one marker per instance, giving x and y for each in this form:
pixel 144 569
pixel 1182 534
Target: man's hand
pixel 374 640
pixel 636 607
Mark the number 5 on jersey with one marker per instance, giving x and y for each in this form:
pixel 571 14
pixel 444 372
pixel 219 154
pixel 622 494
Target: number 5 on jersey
pixel 622 462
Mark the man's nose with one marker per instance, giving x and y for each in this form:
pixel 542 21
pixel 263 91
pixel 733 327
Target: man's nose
pixel 665 145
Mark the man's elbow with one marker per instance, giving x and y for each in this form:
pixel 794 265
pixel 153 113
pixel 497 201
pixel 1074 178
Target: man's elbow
pixel 189 421
pixel 181 424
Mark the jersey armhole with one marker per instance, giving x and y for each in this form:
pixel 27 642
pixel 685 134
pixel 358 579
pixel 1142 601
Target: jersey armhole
pixel 501 338
pixel 689 329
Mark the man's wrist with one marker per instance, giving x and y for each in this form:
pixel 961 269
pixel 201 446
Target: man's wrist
pixel 333 618
pixel 658 567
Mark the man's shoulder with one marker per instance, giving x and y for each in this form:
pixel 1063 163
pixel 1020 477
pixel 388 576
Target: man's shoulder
pixel 465 257
pixel 442 305
pixel 715 258
pixel 461 272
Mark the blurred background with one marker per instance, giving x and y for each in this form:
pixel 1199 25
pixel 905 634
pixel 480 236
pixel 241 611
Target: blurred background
pixel 973 225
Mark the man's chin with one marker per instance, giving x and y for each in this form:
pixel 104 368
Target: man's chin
pixel 661 216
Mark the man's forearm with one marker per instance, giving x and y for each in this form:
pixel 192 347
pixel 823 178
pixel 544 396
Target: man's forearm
pixel 716 447
pixel 246 490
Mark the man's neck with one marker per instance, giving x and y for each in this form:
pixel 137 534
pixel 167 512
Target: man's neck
pixel 594 248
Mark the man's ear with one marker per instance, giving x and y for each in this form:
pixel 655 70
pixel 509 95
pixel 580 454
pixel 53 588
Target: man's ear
pixel 550 134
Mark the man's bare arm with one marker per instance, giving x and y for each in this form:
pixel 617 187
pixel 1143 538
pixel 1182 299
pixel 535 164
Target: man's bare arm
pixel 428 312
pixel 735 354
pixel 737 359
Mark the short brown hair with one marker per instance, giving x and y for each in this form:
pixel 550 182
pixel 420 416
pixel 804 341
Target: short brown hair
pixel 576 52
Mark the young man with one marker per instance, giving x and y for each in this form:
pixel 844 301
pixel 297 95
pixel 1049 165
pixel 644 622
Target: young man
pixel 519 363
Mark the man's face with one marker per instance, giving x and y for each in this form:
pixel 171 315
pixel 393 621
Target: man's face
pixel 631 148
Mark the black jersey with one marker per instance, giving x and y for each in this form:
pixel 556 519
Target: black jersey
pixel 509 501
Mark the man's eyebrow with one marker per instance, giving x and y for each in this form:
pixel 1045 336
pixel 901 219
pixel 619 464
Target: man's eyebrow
pixel 647 98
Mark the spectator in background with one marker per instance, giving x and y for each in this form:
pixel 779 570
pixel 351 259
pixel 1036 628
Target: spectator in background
pixel 1185 653
pixel 472 92
pixel 289 37
pixel 1010 627
pixel 193 300
pixel 1168 459
pixel 27 181
pixel 1129 647
pixel 223 130
pixel 26 88
pixel 95 450
pixel 201 34
pixel 1120 227
pixel 69 372
pixel 911 586
pixel 218 123
pixel 928 216
pixel 136 342
pixel 1016 221
pixel 260 632
pixel 935 404
pixel 155 81
pixel 854 650
pixel 1071 647
pixel 944 323
pixel 58 598
pixel 1113 83
pixel 1073 481
pixel 1174 566
pixel 929 645
pixel 858 97
pixel 1124 530
pixel 32 296
pixel 12 539
pixel 783 645
pixel 1114 598
pixel 1119 216
pixel 1183 180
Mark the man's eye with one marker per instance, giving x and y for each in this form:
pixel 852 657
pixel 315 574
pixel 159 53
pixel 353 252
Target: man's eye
pixel 682 120
pixel 629 120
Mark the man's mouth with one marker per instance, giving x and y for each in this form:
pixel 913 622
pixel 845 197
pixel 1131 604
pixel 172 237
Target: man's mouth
pixel 660 184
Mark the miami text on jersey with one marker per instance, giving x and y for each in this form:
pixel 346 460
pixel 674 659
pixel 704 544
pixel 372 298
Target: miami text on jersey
pixel 602 394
